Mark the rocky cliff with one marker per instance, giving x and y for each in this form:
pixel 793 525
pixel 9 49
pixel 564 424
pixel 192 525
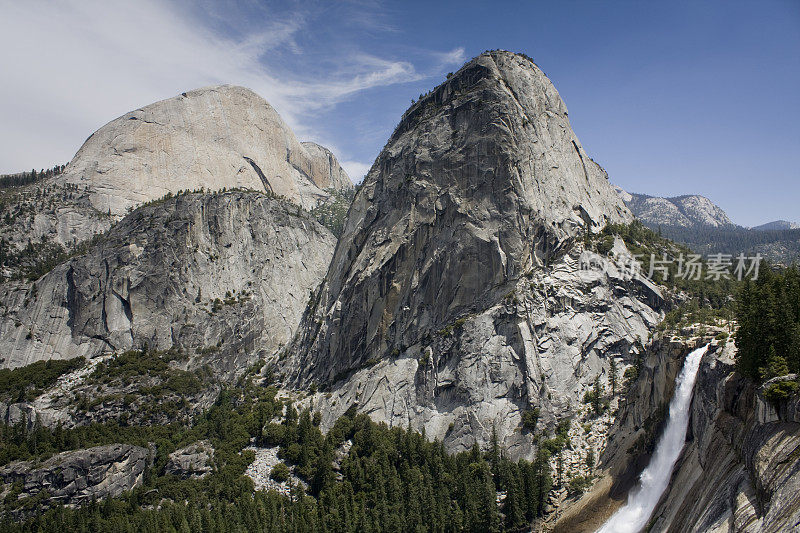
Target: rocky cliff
pixel 324 168
pixel 739 470
pixel 224 277
pixel 215 138
pixel 212 138
pixel 76 477
pixel 455 299
pixel 688 211
pixel 630 438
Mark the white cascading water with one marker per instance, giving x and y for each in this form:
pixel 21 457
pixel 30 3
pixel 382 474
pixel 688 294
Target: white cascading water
pixel 633 516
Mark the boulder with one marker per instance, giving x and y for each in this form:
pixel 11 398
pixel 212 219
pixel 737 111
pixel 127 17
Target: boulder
pixel 80 476
pixel 192 461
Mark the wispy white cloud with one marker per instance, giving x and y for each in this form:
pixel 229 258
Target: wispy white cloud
pixel 355 169
pixel 69 67
pixel 455 56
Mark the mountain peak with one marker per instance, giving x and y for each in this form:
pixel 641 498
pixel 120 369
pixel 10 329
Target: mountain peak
pixel 777 225
pixel 495 67
pixel 482 180
pixel 223 136
pixel 688 211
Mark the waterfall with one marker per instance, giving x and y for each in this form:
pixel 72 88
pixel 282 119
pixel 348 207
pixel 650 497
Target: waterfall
pixel 642 500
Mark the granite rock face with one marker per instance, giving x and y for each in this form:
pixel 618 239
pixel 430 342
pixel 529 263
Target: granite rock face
pixel 689 211
pixel 777 225
pixel 225 277
pixel 215 138
pixel 643 408
pixel 192 461
pixel 212 138
pixel 455 299
pixel 631 437
pixel 324 168
pixel 80 476
pixel 541 345
pixel 48 214
pixel 739 470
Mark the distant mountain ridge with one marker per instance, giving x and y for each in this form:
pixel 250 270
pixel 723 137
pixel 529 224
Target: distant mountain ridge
pixel 777 225
pixel 688 210
pixel 705 227
pixel 683 211
pixel 219 137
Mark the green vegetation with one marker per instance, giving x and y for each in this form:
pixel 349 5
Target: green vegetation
pixel 424 359
pixel 530 418
pixel 776 245
pixel 768 313
pixel 781 391
pixel 26 178
pixel 768 338
pixel 590 459
pixel 631 373
pixel 35 260
pixel 333 213
pixel 134 365
pixel 455 326
pixel 595 397
pixel 280 472
pixel 612 374
pixel 390 480
pixel 143 387
pixel 645 243
pixel 20 443
pixel 554 445
pixel 579 484
pixel 703 301
pixel 27 382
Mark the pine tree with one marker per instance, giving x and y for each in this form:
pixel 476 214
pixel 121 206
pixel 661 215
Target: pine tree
pixel 559 468
pixel 776 366
pixel 323 470
pixel 514 517
pixel 494 452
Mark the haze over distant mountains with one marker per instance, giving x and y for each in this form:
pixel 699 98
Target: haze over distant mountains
pixel 777 225
pixel 683 211
pixel 698 222
pixel 688 210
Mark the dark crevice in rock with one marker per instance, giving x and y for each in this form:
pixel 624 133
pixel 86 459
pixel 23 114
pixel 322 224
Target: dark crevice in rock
pixel 583 162
pixel 261 175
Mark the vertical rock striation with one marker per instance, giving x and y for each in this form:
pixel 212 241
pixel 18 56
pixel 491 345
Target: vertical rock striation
pixel 426 315
pixel 739 471
pixel 212 138
pixel 225 277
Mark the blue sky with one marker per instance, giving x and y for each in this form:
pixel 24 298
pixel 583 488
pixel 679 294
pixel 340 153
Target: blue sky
pixel 670 97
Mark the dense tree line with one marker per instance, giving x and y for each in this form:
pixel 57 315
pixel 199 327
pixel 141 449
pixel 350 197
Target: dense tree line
pixel 383 479
pixel 26 178
pixel 776 245
pixel 768 313
pixel 27 382
pixel 647 244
